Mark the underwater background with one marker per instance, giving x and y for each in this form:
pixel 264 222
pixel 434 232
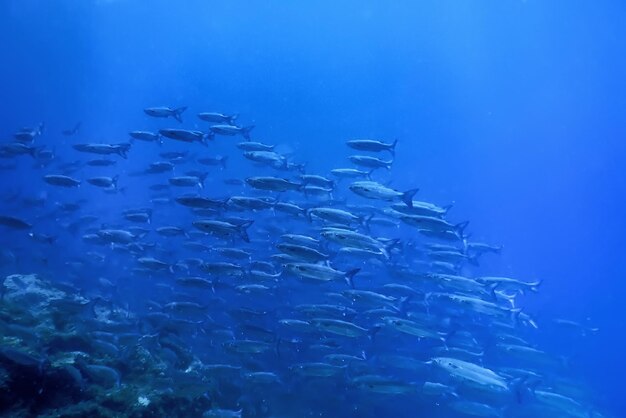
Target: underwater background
pixel 511 110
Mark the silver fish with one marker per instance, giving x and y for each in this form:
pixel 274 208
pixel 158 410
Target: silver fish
pixel 372 145
pixel 166 112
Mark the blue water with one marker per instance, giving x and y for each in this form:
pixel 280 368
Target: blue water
pixel 513 110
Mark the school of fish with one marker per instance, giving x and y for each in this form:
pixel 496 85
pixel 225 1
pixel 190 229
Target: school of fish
pixel 285 293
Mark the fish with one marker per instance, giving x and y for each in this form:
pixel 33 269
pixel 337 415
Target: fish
pixel 28 135
pixel 72 131
pixel 200 202
pixel 104 149
pixel 377 191
pixel 372 145
pixel 152 263
pixel 420 209
pixel 170 231
pixel 339 327
pixel 236 253
pixel 142 215
pixel 104 182
pixel 231 130
pixel 289 208
pixel 101 163
pixel 160 167
pixel 185 135
pixel 214 161
pixel 14 223
pixel 247 346
pixel 118 236
pixel 350 173
pixel 316 369
pixel 302 240
pixel 17 148
pixel 275 184
pixel 472 408
pixel 188 181
pixel 349 238
pixel 41 238
pixel 502 283
pixel 411 328
pixel 335 215
pixel 429 223
pixel 61 180
pixel 317 180
pixel 270 158
pixel 303 253
pixel 471 374
pixel 146 136
pixel 185 307
pixel 370 162
pixel 255 146
pixel 222 413
pixel 252 203
pixel 224 229
pixel 166 112
pixel 383 385
pixel 320 272
pixel 215 117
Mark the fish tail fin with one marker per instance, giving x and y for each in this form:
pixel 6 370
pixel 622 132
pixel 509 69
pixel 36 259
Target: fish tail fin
pixel 392 148
pixel 515 313
pixel 223 161
pixel 307 213
pixel 278 341
pixel 473 260
pixel 114 181
pixel 243 230
pixel 515 316
pixel 245 131
pixel 401 308
pixel 394 243
pixel 371 334
pixel 492 290
pixel 524 388
pixel 366 221
pixel 451 332
pixel 232 118
pixel 407 197
pixel 460 228
pixel 123 149
pixel 178 113
pixel 446 208
pixel 534 287
pixel 350 276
